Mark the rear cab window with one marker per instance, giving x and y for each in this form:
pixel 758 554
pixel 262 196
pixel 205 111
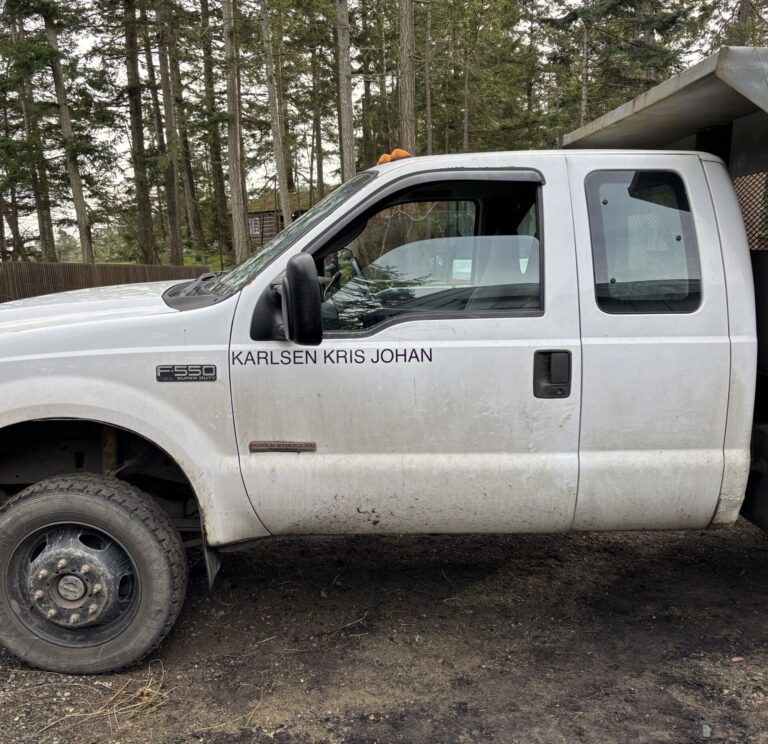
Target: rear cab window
pixel 644 247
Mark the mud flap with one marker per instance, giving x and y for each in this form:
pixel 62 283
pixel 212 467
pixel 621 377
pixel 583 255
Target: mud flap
pixel 212 563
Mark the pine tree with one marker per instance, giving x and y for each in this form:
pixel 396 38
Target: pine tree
pixel 145 233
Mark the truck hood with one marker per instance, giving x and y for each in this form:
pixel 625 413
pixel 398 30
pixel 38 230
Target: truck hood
pixel 85 305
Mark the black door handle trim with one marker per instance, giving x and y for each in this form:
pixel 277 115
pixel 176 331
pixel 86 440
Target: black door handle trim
pixel 552 373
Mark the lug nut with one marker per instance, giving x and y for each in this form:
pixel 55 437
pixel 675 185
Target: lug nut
pixel 51 613
pixel 43 574
pixel 73 618
pixel 61 564
pixel 97 588
pixel 39 595
pixel 85 568
pixel 92 609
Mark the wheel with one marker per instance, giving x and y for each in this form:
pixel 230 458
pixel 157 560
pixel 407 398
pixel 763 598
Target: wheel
pixel 92 572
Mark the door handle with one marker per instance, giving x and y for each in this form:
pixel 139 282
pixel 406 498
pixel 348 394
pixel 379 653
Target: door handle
pixel 552 374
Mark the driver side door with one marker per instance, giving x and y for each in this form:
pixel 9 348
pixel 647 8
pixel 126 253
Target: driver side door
pixel 445 396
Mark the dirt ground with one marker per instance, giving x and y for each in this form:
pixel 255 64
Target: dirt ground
pixel 655 637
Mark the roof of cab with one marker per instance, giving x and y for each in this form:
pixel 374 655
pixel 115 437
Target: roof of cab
pixel 518 158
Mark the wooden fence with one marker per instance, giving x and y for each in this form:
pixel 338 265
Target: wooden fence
pixel 26 279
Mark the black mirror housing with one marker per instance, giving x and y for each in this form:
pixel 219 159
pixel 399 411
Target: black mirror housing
pixel 301 302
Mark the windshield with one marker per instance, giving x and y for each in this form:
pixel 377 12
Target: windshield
pixel 234 280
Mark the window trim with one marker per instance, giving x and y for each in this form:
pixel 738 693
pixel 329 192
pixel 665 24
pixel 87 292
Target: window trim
pixel 510 174
pixel 697 252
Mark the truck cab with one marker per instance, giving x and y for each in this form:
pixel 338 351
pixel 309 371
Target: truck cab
pixel 551 334
pixel 502 342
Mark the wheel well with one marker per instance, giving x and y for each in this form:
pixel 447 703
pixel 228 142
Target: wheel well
pixel 34 450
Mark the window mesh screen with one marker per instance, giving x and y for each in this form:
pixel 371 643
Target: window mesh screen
pixel 649 242
pixel 752 192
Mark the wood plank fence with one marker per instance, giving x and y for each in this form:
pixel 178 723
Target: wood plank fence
pixel 21 279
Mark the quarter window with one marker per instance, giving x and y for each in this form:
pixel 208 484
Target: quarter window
pixel 643 242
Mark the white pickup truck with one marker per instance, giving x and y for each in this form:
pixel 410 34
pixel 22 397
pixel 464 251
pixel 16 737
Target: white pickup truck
pixel 506 342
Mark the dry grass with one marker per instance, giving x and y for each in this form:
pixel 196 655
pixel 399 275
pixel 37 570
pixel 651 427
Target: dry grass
pixel 137 696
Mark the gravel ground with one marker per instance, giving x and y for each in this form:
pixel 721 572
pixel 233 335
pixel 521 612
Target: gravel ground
pixel 651 637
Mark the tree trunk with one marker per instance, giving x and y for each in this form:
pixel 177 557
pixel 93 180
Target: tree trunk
pixel 530 81
pixel 168 215
pixel 41 190
pixel 369 147
pixel 283 109
pixel 383 92
pixel 274 115
pixel 47 249
pixel 73 168
pixel 11 214
pixel 317 126
pixel 157 115
pixel 222 229
pixel 38 172
pixel 346 119
pixel 164 21
pixel 240 239
pixel 428 76
pixel 190 191
pixel 312 198
pixel 145 233
pixel 465 137
pixel 287 154
pixel 584 112
pixel 407 78
pixel 3 247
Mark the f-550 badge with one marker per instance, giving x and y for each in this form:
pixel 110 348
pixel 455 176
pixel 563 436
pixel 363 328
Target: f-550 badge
pixel 186 372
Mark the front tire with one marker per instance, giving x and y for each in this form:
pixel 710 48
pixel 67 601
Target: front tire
pixel 92 574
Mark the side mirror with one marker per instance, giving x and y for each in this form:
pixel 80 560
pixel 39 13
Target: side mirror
pixel 300 293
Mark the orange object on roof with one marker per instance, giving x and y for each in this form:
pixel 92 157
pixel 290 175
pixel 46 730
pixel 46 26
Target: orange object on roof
pixel 396 154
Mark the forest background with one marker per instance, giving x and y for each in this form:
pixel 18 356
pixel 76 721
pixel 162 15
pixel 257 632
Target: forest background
pixel 142 130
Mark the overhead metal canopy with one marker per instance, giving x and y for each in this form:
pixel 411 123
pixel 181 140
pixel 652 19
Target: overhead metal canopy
pixel 726 86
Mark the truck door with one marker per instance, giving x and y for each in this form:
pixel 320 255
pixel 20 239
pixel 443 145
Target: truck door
pixel 445 396
pixel 655 345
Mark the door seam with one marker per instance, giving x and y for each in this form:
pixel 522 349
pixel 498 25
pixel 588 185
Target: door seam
pixel 569 174
pixel 730 339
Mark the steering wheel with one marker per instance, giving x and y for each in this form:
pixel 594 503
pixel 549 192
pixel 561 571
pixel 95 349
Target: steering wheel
pixel 335 280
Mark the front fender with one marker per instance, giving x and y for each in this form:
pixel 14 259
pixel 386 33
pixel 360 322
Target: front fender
pixel 191 423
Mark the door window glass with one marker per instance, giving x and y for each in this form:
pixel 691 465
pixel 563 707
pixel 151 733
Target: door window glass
pixel 643 242
pixel 459 256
